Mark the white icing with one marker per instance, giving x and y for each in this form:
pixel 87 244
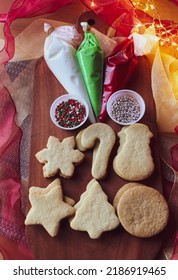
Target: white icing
pixel 47 26
pixel 60 57
pixel 85 26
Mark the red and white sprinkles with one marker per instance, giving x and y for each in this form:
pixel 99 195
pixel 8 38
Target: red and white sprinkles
pixel 70 113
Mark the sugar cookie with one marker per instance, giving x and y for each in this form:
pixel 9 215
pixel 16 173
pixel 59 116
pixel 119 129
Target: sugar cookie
pixel 48 207
pixel 122 190
pixel 94 214
pixel 134 160
pixel 102 137
pixel 59 157
pixel 143 211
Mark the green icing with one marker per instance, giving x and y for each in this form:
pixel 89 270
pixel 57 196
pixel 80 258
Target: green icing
pixel 91 61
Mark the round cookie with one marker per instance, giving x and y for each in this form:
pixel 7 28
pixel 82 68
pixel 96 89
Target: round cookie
pixel 122 190
pixel 143 211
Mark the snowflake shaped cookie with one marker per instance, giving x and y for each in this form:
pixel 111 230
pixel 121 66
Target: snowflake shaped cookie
pixel 59 157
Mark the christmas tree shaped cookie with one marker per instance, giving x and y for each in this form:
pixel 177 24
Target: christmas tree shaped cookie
pixel 94 213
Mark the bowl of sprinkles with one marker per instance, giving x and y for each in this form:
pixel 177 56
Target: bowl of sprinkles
pixel 69 111
pixel 125 107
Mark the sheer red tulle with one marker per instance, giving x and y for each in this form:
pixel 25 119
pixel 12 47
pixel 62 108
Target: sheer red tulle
pixel 118 70
pixel 122 16
pixel 11 217
pixel 175 2
pixel 13 243
pixel 175 251
pixel 24 9
pixel 117 13
pixel 174 153
pixel 174 156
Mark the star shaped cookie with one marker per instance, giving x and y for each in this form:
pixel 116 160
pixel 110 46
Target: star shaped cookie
pixel 48 207
pixel 59 157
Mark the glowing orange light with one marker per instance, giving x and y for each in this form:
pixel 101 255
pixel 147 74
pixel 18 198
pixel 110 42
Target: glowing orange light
pixel 93 4
pixel 168 35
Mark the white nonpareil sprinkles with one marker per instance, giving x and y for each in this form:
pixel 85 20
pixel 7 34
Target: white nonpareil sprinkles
pixel 125 109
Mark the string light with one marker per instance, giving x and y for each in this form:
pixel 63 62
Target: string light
pixel 166 31
pixel 167 34
pixel 93 4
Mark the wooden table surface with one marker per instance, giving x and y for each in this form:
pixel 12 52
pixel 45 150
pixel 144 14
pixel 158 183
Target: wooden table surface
pixel 71 244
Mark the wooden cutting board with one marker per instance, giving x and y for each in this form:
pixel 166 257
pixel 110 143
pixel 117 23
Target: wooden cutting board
pixel 71 244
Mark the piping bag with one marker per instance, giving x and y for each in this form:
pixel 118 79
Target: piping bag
pixel 91 60
pixel 107 44
pixel 60 55
pixel 119 68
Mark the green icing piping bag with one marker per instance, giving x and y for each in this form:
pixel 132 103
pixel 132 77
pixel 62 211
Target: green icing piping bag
pixel 91 61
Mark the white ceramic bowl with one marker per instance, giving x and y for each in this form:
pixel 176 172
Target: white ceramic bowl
pixel 118 116
pixel 65 98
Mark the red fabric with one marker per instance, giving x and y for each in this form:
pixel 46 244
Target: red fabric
pixel 174 153
pixel 11 217
pixel 117 13
pixel 173 206
pixel 147 20
pixel 175 250
pixel 122 16
pixel 119 68
pixel 176 130
pixel 12 250
pixel 13 243
pixel 174 157
pixel 22 9
pixel 173 201
pixel 175 2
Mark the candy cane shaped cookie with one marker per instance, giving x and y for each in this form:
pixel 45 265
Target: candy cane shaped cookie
pixel 102 137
